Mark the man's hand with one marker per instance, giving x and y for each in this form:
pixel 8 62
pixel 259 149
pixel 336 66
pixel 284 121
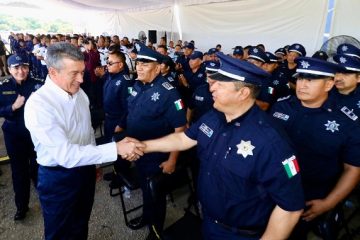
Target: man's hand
pixel 168 167
pixel 20 100
pixel 130 148
pixel 99 71
pixel 317 207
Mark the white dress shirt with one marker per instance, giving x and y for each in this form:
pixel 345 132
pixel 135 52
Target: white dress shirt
pixel 60 128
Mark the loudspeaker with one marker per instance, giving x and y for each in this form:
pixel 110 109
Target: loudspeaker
pixel 152 36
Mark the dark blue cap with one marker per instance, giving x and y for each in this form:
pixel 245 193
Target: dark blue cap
pixel 212 66
pixel 315 68
pixel 281 51
pixel 147 54
pixel 196 54
pixel 258 54
pixel 351 64
pixel 238 50
pixel 212 51
pixel 320 55
pixel 16 60
pixel 189 45
pixel 298 48
pixel 233 70
pixel 272 58
pixel 348 49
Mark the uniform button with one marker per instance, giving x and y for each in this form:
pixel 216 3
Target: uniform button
pixel 214 153
pixel 224 134
pixel 208 173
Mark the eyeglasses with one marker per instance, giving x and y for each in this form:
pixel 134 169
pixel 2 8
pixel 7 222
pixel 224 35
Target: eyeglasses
pixel 111 63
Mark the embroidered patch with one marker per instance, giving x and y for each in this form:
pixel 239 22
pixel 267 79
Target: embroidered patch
pixel 291 166
pixel 281 116
pixel 245 148
pixel 199 98
pixel 126 77
pixel 349 113
pixel 118 82
pixel 206 130
pixel 332 126
pixel 155 96
pixel 167 85
pixel 179 104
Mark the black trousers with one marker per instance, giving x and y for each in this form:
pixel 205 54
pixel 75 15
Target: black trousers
pixel 66 197
pixel 22 160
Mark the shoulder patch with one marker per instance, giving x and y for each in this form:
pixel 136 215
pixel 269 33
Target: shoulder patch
pixel 126 77
pixel 283 98
pixel 167 85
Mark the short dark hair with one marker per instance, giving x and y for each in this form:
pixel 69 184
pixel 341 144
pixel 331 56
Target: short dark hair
pixel 119 55
pixel 163 46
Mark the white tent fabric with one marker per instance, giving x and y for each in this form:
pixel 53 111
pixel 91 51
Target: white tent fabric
pixel 247 22
pixel 346 19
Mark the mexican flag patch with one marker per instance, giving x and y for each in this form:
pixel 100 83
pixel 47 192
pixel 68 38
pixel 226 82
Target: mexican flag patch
pixel 291 166
pixel 179 104
pixel 271 90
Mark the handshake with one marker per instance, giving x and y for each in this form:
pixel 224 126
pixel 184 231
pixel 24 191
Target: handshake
pixel 130 149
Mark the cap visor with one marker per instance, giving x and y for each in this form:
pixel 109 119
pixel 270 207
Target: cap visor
pixel 309 76
pixel 219 77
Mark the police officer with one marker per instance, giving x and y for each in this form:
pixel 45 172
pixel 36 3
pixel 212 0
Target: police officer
pixel 288 68
pixel 347 92
pixel 249 185
pixel 14 93
pixel 259 58
pixel 327 145
pixel 115 93
pixel 168 71
pixel 238 52
pixel 155 109
pixel 278 83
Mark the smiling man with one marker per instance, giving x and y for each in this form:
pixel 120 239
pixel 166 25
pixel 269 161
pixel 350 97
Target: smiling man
pixel 58 118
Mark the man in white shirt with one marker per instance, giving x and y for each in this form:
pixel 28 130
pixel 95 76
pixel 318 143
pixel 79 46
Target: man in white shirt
pixel 58 119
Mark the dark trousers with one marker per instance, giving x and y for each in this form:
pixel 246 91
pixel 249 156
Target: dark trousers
pixel 109 127
pixel 66 197
pixel 22 160
pixel 43 72
pixel 154 202
pixel 214 231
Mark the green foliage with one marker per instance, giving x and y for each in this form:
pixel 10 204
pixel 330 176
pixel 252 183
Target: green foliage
pixel 29 24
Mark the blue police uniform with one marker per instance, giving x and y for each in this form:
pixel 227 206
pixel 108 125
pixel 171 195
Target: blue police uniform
pixel 172 78
pixel 348 104
pixel 115 93
pixel 17 138
pixel 243 165
pixel 201 102
pixel 324 139
pixel 280 84
pixel 155 109
pixel 239 188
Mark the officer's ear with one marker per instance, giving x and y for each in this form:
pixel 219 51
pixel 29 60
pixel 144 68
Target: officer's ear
pixel 358 77
pixel 329 83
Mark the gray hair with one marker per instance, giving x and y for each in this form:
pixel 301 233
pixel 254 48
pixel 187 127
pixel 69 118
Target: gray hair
pixel 59 51
pixel 254 89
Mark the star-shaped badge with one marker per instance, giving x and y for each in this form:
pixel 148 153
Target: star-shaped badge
pixel 155 96
pixel 332 126
pixel 342 60
pixel 255 50
pixel 305 64
pixel 344 48
pixel 276 82
pixel 245 148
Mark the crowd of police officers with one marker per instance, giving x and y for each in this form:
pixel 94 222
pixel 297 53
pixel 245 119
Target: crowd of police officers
pixel 147 94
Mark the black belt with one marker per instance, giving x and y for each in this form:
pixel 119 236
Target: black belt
pixel 244 232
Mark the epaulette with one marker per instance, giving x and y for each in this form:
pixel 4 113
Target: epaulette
pixel 126 77
pixel 167 85
pixel 5 80
pixel 283 98
pixel 39 80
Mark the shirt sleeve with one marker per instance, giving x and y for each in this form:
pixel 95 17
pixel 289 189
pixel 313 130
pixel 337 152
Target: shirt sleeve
pixel 175 112
pixel 54 146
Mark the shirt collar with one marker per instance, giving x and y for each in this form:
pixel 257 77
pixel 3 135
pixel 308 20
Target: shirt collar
pixel 59 91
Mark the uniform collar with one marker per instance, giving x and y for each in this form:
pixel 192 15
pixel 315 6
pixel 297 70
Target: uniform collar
pixel 116 75
pixel 237 121
pixel 328 106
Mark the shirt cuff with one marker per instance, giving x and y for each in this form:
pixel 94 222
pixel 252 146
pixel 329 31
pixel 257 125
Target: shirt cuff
pixel 108 151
